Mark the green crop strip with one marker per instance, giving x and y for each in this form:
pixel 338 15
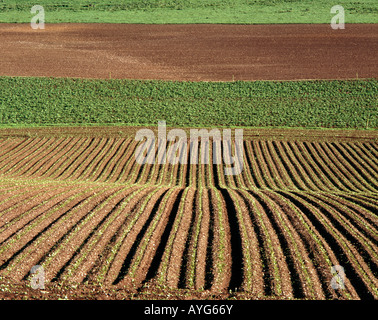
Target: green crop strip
pixel 309 104
pixel 190 11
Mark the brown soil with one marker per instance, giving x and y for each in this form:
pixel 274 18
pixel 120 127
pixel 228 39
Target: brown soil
pixel 190 52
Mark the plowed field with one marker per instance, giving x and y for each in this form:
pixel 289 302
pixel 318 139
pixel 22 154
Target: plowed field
pixel 84 209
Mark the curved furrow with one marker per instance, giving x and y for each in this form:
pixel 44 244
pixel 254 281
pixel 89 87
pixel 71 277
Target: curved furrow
pixel 372 197
pixel 143 174
pixel 369 161
pixel 368 151
pixel 168 270
pixel 360 278
pixel 295 177
pixel 157 168
pixel 239 178
pixel 350 168
pixel 192 249
pixel 30 157
pixel 256 281
pixel 99 160
pixel 330 167
pixel 202 247
pixel 210 182
pixel 361 215
pixel 245 264
pixel 153 174
pixel 135 170
pixel 218 165
pixel 275 269
pixel 139 170
pixel 230 180
pixel 14 160
pixel 221 248
pixel 88 160
pixel 354 214
pixel 15 237
pixel 70 158
pixel 353 237
pixel 10 194
pixel 113 164
pixel 44 165
pixel 278 170
pixel 186 241
pixel 171 168
pixel 125 164
pixel 157 270
pixel 367 171
pixel 54 224
pixel 44 152
pixel 301 167
pixel 104 269
pixel 110 159
pixel 367 154
pixel 130 237
pixel 321 173
pixel 318 249
pixel 12 145
pixel 19 207
pixel 107 157
pixel 76 251
pixel 77 163
pixel 181 175
pixel 61 162
pixel 15 149
pixel 283 275
pixel 42 217
pixel 304 276
pixel 7 144
pixel 262 164
pixel 254 169
pixel 149 238
pixel 105 245
pixel 248 177
pixel 370 205
pixel 304 160
pixel 338 168
pixel 27 210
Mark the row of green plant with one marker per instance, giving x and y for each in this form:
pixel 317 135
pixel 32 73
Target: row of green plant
pixel 310 104
pixel 190 11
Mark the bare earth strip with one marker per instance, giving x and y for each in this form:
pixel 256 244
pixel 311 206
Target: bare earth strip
pixel 302 205
pixel 190 52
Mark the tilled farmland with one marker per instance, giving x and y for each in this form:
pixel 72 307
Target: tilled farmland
pixel 84 209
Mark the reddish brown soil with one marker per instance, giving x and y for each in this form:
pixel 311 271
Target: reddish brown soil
pixel 190 52
pixel 279 240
